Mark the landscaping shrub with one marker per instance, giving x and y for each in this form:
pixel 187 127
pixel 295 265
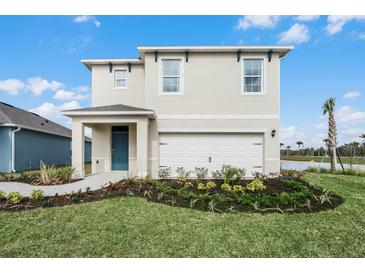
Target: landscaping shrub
pixel 211 185
pixel 2 195
pixel 65 173
pixel 37 195
pixel 296 174
pixel 183 175
pixel 47 175
pixel 237 188
pixel 256 185
pixel 201 186
pixel 14 198
pixel 217 175
pixel 164 172
pixel 312 169
pixel 230 174
pixel 226 187
pixel 201 173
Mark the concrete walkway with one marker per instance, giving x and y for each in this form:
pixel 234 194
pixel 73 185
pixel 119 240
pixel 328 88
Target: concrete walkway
pixel 94 182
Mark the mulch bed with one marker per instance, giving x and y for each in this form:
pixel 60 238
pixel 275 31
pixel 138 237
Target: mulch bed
pixel 151 193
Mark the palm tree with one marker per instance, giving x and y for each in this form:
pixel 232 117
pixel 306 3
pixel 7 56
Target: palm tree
pixel 328 108
pixel 299 143
pixel 287 150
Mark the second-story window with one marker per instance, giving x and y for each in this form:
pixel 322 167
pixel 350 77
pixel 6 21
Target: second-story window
pixel 120 78
pixel 253 76
pixel 171 76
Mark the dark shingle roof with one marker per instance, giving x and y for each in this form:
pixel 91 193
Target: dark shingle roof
pixel 118 107
pixel 19 117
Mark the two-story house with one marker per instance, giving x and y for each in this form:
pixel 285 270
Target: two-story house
pixel 183 106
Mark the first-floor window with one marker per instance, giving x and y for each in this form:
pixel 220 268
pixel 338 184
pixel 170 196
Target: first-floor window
pixel 252 75
pixel 171 75
pixel 120 78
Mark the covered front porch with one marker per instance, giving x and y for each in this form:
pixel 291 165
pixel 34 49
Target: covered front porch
pixel 120 137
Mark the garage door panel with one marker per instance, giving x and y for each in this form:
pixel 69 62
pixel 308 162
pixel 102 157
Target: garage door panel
pixel 212 151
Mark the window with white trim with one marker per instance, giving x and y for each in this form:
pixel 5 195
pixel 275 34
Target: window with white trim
pixel 120 77
pixel 253 75
pixel 171 75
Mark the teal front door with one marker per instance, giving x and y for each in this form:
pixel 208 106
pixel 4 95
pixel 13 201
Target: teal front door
pixel 120 148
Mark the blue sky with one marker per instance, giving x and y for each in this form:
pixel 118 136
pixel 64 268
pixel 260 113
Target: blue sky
pixel 41 70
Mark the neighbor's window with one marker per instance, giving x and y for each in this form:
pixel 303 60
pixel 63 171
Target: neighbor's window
pixel 171 75
pixel 253 75
pixel 120 78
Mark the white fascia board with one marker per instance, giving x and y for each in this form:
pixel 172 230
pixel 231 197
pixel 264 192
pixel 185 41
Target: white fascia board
pixel 212 130
pixel 106 113
pixel 90 62
pixel 282 50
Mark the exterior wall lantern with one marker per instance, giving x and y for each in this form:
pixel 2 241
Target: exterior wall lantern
pixel 273 133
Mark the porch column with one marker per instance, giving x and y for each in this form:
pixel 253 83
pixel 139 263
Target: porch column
pixel 78 143
pixel 142 147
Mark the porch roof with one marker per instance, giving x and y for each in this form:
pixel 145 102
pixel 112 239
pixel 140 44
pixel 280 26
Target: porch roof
pixel 110 110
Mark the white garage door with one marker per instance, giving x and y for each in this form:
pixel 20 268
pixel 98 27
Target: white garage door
pixel 212 150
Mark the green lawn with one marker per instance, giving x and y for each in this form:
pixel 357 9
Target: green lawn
pixel 133 227
pixel 345 160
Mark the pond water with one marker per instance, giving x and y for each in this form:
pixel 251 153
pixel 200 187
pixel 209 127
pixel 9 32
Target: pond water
pixel 301 165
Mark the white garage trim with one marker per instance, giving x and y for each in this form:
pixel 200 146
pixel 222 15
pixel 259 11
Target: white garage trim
pixel 212 150
pixel 213 130
pixel 218 117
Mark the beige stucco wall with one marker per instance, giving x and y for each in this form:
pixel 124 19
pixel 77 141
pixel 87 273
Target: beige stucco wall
pixel 103 90
pixel 212 84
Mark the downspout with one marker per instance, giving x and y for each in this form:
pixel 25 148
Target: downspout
pixel 13 148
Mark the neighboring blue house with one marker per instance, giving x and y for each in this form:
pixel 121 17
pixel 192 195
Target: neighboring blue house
pixel 27 138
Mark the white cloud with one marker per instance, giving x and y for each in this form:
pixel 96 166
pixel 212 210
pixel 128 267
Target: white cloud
pixel 351 135
pixel 346 115
pixel 287 135
pixel 335 23
pixel 68 95
pixel 82 18
pixel 53 112
pixel 47 110
pixel 70 105
pixel 11 86
pixel 37 85
pixel 259 21
pixel 87 18
pixel 352 94
pixel 298 33
pixel 307 17
pixel 82 89
pixel 360 36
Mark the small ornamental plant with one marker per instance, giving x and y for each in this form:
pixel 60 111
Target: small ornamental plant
pixel 37 195
pixel 2 195
pixel 256 185
pixel 182 175
pixel 201 173
pixel 164 172
pixel 210 185
pixel 14 198
pixel 238 188
pixel 201 186
pixel 226 187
